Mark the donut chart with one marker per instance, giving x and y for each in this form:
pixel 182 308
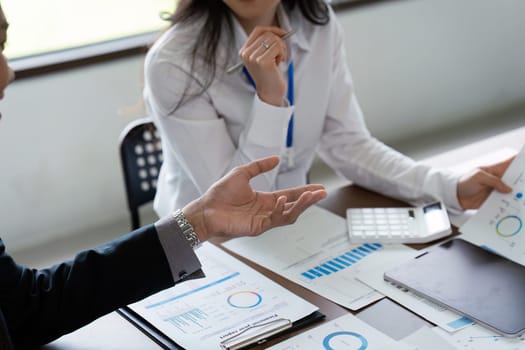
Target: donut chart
pixel 355 337
pixel 244 299
pixel 509 226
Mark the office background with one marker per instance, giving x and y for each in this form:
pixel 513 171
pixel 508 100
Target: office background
pixel 420 67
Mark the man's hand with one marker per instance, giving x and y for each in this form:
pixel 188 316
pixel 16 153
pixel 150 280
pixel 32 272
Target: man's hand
pixel 473 188
pixel 231 208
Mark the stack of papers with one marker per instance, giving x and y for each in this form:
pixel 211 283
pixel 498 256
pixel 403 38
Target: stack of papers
pixel 316 253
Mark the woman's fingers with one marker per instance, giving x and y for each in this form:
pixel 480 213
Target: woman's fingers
pixel 267 48
pixel 259 31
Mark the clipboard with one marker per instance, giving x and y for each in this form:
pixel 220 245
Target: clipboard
pixel 170 344
pixel 233 304
pixel 470 280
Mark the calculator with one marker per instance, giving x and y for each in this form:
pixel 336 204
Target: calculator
pixel 398 225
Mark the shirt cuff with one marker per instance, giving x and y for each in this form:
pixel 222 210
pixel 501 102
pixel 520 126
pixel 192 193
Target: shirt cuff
pixel 182 260
pixel 267 122
pixel 447 183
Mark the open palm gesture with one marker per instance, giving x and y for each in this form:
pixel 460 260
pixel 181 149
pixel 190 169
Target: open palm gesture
pixel 231 208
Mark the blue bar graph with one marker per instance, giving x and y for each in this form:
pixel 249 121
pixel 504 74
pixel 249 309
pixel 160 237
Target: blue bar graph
pixel 307 275
pixel 326 266
pixel 323 271
pixel 315 273
pixel 341 262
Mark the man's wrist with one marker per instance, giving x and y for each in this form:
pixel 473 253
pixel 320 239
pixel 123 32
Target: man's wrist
pixel 186 228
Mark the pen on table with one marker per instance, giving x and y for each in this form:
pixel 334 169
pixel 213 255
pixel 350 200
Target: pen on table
pixel 239 65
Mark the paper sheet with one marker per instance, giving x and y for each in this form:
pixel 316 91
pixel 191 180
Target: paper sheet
pixel 372 274
pixel 484 158
pixel 345 332
pixel 199 313
pixel 499 224
pixel 426 339
pixel 479 338
pixel 316 253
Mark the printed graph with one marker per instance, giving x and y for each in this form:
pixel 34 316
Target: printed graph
pixel 245 299
pixel 346 332
pixel 189 321
pixel 341 262
pixel 345 340
pixel 499 223
pixel 479 338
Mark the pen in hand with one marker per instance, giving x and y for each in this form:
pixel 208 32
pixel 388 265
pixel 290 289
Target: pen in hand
pixel 239 65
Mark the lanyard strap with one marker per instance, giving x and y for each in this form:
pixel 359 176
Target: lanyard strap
pixel 290 95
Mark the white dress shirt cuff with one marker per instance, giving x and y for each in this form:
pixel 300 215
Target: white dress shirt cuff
pixel 182 260
pixel 445 182
pixel 269 121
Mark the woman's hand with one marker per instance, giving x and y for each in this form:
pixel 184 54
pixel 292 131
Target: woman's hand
pixel 474 187
pixel 231 208
pixel 261 55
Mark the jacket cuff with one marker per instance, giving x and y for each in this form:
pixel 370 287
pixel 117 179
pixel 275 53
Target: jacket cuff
pixel 182 260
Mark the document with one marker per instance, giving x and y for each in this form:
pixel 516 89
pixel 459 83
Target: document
pixel 458 218
pixel 233 304
pixel 426 339
pixel 316 253
pixel 499 225
pixel 372 275
pixel 479 338
pixel 345 332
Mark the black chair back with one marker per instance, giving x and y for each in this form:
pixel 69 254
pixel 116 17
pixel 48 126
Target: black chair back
pixel 141 158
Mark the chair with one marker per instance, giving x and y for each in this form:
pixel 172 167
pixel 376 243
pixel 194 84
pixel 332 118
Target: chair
pixel 141 158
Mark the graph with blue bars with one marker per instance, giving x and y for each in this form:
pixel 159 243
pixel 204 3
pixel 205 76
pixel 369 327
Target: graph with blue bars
pixel 341 262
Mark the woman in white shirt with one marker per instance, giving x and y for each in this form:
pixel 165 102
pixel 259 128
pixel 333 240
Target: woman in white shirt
pixel 294 98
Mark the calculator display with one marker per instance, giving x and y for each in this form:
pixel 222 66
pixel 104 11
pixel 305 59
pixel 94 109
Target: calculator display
pixel 433 206
pixel 435 217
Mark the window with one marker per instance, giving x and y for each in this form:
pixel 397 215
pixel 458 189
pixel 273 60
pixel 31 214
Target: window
pixel 38 27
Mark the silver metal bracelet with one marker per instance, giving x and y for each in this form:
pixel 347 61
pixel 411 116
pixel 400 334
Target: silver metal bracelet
pixel 186 228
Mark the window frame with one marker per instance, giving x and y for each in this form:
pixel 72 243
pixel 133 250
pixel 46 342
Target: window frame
pixel 74 57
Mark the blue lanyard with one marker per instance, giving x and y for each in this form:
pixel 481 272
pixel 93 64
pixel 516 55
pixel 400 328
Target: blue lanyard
pixel 290 95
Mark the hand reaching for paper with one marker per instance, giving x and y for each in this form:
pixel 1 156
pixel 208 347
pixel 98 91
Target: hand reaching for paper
pixel 474 187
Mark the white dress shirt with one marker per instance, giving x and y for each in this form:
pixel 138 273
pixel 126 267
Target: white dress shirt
pixel 228 125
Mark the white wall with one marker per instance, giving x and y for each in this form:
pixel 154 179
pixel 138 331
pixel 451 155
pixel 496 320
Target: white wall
pixel 59 151
pixel 418 65
pixel 422 64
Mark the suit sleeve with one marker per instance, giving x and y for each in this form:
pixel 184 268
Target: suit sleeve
pixel 42 305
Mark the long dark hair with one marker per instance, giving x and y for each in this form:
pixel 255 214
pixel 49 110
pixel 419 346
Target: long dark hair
pixel 217 17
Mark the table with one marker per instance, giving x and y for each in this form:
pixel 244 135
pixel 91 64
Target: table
pixel 114 332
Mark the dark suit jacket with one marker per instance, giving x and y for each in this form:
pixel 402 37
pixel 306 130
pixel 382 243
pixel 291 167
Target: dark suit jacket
pixel 38 306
